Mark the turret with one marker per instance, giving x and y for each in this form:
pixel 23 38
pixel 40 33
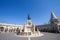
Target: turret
pixel 53 18
pixel 53 22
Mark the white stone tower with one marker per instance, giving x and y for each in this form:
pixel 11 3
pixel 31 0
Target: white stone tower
pixel 53 22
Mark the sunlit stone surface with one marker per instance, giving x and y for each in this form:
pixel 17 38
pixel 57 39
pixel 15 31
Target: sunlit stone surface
pixel 29 30
pixel 47 36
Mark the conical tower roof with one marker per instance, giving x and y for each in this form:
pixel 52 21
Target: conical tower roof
pixel 53 15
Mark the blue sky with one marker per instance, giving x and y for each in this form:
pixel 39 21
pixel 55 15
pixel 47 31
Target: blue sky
pixel 16 11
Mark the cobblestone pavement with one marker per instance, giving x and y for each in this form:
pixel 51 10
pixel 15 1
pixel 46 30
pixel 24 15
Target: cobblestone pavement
pixel 47 36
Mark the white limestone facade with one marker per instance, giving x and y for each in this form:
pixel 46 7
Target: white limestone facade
pixel 8 27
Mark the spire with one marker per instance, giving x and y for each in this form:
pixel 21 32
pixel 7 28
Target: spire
pixel 53 15
pixel 29 17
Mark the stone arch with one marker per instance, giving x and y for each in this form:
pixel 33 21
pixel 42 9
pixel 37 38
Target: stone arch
pixel 1 28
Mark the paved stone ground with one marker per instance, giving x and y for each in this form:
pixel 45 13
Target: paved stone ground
pixel 47 36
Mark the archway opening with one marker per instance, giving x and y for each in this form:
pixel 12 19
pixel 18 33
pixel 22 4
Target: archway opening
pixel 1 28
